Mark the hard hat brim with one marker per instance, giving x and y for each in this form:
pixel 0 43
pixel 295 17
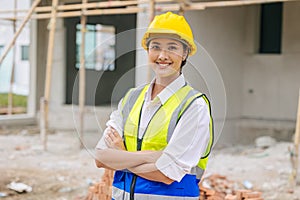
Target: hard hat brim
pixel 159 33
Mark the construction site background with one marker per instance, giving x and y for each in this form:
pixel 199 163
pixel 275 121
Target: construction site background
pixel 259 96
pixel 65 172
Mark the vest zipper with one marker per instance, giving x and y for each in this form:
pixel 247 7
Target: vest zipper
pixel 138 148
pixel 132 186
pixel 133 182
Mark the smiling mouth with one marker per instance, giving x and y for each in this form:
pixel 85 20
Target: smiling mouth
pixel 163 65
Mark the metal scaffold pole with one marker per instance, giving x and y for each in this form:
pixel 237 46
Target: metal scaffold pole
pixel 44 102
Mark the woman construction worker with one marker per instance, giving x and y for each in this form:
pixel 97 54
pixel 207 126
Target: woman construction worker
pixel 159 138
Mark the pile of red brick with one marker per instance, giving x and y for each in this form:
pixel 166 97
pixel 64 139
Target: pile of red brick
pixel 217 187
pixel 244 195
pixel 102 190
pixel 214 187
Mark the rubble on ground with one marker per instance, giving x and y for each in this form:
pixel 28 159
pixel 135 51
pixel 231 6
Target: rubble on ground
pixel 22 159
pixel 19 187
pixel 103 189
pixel 218 187
pixel 213 187
pixel 265 142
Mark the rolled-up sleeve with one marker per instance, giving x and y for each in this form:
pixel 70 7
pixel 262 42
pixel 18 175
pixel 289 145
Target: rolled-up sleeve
pixel 115 121
pixel 188 142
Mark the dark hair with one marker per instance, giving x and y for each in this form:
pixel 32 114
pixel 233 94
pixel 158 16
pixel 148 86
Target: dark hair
pixel 185 48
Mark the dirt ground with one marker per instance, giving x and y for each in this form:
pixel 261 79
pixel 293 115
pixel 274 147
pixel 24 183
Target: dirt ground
pixel 64 172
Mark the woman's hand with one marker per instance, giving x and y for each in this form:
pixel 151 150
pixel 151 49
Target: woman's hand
pixel 113 140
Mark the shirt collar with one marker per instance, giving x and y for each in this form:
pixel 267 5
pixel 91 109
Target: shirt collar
pixel 168 91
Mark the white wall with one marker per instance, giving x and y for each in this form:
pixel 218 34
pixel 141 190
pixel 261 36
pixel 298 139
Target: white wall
pixel 230 36
pixel 261 90
pixel 58 87
pixel 220 35
pixel 61 116
pixel 221 32
pixel 271 82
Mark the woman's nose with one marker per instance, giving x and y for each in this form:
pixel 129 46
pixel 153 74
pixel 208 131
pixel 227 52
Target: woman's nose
pixel 163 55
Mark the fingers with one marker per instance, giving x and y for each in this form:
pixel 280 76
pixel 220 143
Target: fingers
pixel 108 141
pixel 109 138
pixel 114 135
pixel 114 132
pixel 113 139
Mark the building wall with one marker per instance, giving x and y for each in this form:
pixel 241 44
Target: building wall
pixel 221 33
pixel 62 116
pixel 217 67
pixel 261 89
pixel 259 92
pixel 271 82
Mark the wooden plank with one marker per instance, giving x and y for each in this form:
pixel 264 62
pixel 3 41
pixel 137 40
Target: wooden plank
pixel 182 4
pixel 15 110
pixel 82 6
pixel 294 151
pixel 93 12
pixel 12 75
pixel 45 101
pixel 104 4
pixel 297 139
pixel 151 17
pixel 82 76
pixel 159 7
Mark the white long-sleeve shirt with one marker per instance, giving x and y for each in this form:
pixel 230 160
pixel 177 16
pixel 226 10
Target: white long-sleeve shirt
pixel 190 137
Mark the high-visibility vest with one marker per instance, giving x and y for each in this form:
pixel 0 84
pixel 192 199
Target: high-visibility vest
pixel 128 186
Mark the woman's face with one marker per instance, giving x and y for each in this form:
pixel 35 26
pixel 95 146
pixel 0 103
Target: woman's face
pixel 165 56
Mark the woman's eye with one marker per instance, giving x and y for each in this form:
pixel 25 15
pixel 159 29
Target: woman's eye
pixel 155 47
pixel 172 48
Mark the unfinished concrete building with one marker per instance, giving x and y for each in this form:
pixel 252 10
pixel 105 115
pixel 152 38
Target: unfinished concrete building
pixel 248 64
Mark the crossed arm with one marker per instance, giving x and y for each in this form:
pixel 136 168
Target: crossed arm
pixel 141 163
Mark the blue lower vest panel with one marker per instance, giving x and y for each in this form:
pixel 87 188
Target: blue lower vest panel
pixel 187 187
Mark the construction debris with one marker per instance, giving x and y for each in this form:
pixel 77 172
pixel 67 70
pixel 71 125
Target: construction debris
pixel 218 187
pixel 103 189
pixel 3 194
pixel 265 142
pixel 214 187
pixel 247 184
pixel 19 187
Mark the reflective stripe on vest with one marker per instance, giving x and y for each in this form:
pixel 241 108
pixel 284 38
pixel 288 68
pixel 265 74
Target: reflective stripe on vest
pixel 156 133
pixel 119 194
pixel 160 128
pixel 131 99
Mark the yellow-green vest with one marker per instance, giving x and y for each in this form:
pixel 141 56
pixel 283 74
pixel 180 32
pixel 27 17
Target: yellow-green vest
pixel 161 126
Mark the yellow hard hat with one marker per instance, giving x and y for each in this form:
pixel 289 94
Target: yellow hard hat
pixel 173 24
